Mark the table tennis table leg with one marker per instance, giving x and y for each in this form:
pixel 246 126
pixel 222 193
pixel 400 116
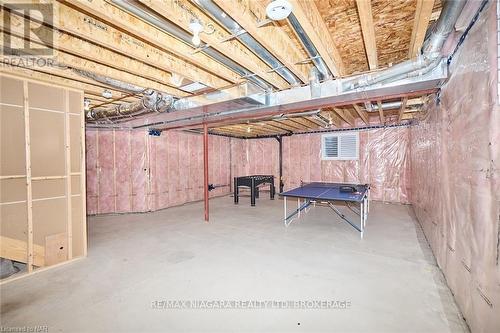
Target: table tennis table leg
pixel 367 204
pixel 361 216
pixel 236 193
pixel 298 206
pixel 284 205
pixel 252 193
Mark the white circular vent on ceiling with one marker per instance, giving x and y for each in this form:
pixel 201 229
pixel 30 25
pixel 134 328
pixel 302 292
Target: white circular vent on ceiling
pixel 278 10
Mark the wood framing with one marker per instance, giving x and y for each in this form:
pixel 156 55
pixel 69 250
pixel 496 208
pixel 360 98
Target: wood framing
pixel 105 34
pixel 402 108
pixel 181 12
pixel 345 115
pixel 380 112
pixel 145 32
pixel 40 112
pixel 362 113
pixel 368 30
pixel 29 192
pixel 247 13
pixel 316 29
pixel 421 22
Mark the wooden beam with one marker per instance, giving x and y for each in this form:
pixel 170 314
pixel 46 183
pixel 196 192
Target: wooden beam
pixel 17 250
pixel 316 29
pixel 67 79
pixel 362 113
pixel 29 193
pixel 131 25
pixel 420 23
pixel 181 12
pixel 248 13
pixel 403 107
pixel 380 111
pixel 336 121
pixel 63 59
pixel 100 29
pixel 368 30
pixel 345 115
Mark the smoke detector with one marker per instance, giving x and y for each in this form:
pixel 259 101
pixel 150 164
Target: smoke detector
pixel 278 9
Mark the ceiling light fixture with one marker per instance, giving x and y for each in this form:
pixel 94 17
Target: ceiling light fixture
pixel 196 28
pixel 278 10
pixel 107 94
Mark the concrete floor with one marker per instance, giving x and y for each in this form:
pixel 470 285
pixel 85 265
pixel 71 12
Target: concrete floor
pixel 245 253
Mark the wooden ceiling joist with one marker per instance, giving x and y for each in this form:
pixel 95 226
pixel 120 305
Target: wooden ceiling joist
pixel 131 42
pixel 316 29
pixel 402 108
pixel 368 30
pixel 248 13
pixel 345 115
pixel 333 117
pixel 49 76
pixel 380 112
pixel 157 38
pixel 72 61
pixel 86 50
pixel 181 12
pixel 362 113
pixel 421 22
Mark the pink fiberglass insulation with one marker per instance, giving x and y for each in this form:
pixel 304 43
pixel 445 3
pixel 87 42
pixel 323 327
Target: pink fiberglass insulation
pixel 130 171
pixel 454 170
pixel 91 170
pixel 383 162
pixel 105 171
pixel 256 156
pixel 139 172
pixel 123 168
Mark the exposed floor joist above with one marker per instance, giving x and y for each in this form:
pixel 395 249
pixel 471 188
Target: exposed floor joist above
pixel 137 47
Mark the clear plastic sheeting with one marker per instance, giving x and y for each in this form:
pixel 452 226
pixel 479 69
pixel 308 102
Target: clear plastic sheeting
pixel 131 171
pixel 383 162
pixel 455 191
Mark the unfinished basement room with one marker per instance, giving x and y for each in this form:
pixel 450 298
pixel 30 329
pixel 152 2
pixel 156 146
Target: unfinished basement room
pixel 250 166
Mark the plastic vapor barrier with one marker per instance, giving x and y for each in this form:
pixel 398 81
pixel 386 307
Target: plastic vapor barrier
pixel 454 172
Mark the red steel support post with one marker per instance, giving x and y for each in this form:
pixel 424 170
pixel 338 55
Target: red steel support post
pixel 205 169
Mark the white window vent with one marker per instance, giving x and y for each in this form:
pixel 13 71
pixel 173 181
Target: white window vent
pixel 340 146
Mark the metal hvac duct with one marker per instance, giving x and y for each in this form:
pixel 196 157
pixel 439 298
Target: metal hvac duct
pixel 156 20
pixel 426 61
pixel 247 39
pixel 310 48
pixel 370 107
pixel 120 85
pixel 152 101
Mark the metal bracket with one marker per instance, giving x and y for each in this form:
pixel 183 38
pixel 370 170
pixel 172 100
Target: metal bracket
pixel 264 22
pixel 275 69
pixel 234 35
pixel 201 48
pixel 308 60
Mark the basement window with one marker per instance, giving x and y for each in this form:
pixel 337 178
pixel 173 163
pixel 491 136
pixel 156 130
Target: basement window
pixel 340 146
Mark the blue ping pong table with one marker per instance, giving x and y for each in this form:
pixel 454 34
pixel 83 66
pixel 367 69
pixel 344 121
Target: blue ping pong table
pixel 329 193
